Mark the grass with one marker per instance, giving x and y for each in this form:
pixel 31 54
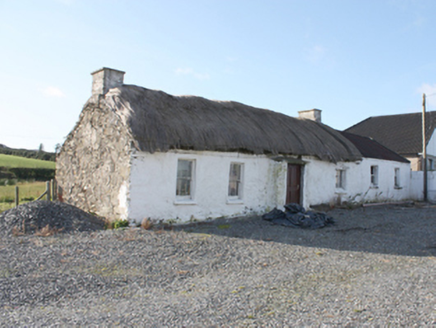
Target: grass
pixel 17 161
pixel 27 191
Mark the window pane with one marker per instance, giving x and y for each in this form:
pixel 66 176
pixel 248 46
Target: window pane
pixel 184 178
pixel 184 169
pixel 235 179
pixel 374 175
pixel 397 177
pixel 340 179
pixel 233 188
pixel 183 187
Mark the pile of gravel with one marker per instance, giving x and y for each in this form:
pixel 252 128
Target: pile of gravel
pixel 32 217
pixel 374 268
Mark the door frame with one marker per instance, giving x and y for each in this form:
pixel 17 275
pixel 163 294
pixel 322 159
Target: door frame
pixel 300 183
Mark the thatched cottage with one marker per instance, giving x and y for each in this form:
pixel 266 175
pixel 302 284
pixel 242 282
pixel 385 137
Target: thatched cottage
pixel 137 153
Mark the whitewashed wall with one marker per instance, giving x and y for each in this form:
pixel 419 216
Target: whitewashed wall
pixel 417 185
pixel 151 192
pixel 320 182
pixel 431 145
pixel 152 187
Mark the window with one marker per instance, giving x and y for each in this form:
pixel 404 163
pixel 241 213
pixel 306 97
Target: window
pixel 397 178
pixel 374 175
pixel 340 178
pixel 235 180
pixel 184 188
pixel 430 165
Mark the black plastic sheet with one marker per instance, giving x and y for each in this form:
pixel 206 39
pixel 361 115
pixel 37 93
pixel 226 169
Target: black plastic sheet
pixel 297 217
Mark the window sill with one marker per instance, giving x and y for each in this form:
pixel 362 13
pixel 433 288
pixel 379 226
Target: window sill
pixel 398 188
pixel 374 187
pixel 185 202
pixel 235 202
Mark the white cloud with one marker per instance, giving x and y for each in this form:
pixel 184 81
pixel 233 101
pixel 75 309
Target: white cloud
pixel 191 72
pixel 53 92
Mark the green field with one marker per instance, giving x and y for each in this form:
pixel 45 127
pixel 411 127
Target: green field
pixel 27 191
pixel 17 161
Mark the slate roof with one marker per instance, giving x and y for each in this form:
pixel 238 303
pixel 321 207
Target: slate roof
pixel 402 133
pixel 370 148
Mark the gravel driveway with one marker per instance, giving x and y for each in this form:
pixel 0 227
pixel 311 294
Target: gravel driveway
pixel 375 267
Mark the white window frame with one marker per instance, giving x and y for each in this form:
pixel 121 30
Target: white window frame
pixel 397 180
pixel 341 178
pixel 190 179
pixel 374 171
pixel 239 181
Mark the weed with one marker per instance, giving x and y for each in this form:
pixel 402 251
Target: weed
pixel 17 232
pixel 117 224
pixel 173 221
pixel 47 231
pixel 193 219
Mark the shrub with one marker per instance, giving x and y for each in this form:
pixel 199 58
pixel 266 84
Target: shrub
pixel 33 173
pixel 117 224
pixel 8 182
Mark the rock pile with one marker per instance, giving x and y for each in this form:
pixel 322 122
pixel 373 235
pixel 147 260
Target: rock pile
pixel 35 216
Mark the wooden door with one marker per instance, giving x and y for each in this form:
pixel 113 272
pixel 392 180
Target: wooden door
pixel 293 184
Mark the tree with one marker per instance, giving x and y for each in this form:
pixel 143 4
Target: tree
pixel 58 148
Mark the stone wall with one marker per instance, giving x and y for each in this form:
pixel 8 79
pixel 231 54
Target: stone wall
pixel 93 165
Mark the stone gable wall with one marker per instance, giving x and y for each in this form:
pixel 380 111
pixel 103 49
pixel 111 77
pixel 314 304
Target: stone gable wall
pixel 93 166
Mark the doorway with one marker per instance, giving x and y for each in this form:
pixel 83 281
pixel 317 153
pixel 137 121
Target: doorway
pixel 293 189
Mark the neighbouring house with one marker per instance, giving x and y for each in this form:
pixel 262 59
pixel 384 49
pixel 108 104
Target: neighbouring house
pixel 137 153
pixel 383 175
pixel 402 133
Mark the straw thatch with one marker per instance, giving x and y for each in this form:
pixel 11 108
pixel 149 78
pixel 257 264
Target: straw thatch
pixel 160 122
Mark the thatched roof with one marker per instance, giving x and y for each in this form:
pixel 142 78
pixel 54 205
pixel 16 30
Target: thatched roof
pixel 160 122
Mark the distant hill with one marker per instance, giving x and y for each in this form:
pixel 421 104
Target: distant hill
pixel 36 154
pixel 18 168
pixel 11 161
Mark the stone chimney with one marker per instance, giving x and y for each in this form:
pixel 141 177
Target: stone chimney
pixel 311 114
pixel 105 79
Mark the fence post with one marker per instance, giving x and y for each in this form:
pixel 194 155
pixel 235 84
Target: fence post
pixel 53 190
pixel 17 199
pixel 47 189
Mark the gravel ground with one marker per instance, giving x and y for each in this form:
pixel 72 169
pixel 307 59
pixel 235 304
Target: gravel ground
pixel 375 267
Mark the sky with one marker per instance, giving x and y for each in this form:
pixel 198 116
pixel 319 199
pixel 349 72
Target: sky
pixel 350 58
